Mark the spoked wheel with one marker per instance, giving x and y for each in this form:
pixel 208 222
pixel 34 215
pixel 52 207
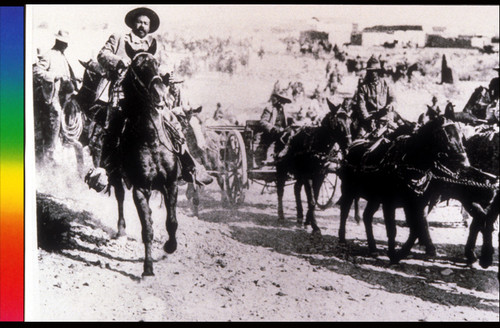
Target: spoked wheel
pixel 234 161
pixel 327 191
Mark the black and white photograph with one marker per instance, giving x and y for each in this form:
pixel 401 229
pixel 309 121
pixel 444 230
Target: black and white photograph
pixel 262 163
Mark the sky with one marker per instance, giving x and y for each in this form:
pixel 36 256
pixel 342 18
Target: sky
pixel 465 19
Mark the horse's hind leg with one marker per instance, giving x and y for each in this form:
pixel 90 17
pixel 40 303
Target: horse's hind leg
pixel 141 200
pixel 357 217
pixel 311 204
pixel 297 188
pixel 170 194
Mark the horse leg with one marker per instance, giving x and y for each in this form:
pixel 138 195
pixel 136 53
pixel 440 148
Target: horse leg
pixel 422 229
pixel 412 221
pixel 490 217
pixel 55 128
pixel 345 205
pixel 486 258
pixel 474 229
pixel 357 217
pixel 141 200
pixel 170 195
pixel 196 200
pixel 280 188
pixel 311 204
pixel 120 197
pixel 370 209
pixel 79 157
pixel 297 188
pixel 390 226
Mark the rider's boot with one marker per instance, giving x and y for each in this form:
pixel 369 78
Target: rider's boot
pixel 192 171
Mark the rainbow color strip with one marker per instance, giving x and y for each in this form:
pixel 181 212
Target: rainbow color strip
pixel 11 163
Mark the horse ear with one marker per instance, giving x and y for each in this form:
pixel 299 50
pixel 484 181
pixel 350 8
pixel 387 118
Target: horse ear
pixel 332 107
pixel 152 48
pixel 130 52
pixel 198 110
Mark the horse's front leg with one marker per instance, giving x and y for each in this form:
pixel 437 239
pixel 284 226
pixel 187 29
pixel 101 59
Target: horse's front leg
pixel 370 209
pixel 297 188
pixel 170 195
pixel 345 201
pixel 141 200
pixel 79 157
pixel 311 205
pixel 120 196
pixel 280 188
pixel 390 226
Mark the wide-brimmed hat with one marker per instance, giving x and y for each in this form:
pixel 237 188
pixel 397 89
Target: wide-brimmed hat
pixel 143 11
pixel 63 36
pixel 280 97
pixel 373 64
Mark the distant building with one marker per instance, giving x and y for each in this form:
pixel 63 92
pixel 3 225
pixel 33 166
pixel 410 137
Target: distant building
pixel 396 34
pixel 438 41
pixel 438 29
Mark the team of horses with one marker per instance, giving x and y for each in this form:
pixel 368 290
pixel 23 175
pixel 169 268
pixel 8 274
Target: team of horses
pixel 413 168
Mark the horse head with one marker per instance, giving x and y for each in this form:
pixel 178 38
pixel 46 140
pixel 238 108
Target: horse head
pixel 440 142
pixel 338 122
pixel 143 82
pixel 449 111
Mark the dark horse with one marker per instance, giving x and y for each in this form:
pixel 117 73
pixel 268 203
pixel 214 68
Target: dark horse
pixel 397 174
pixel 475 189
pixel 307 159
pixel 148 158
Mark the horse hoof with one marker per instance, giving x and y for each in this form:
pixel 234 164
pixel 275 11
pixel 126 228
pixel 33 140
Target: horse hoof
pixel 148 273
pixel 148 269
pixel 316 232
pixel 281 218
pixel 170 246
pixel 394 259
pixel 342 241
pixel 430 252
pixel 120 234
pixel 485 263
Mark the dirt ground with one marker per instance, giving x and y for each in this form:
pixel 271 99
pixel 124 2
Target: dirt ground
pixel 235 264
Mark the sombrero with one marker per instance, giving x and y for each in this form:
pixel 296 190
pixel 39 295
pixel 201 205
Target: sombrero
pixel 143 11
pixel 281 98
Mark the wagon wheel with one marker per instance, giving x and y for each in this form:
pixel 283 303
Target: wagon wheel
pixel 234 161
pixel 327 191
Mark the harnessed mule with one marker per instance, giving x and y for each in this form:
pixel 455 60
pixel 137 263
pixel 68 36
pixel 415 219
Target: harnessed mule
pixel 399 176
pixel 307 158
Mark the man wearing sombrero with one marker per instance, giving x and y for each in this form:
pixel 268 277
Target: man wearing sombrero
pixel 53 81
pixel 374 98
pixel 273 123
pixel 114 58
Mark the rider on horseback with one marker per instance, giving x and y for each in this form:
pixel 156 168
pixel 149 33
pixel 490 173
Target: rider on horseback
pixel 375 101
pixel 53 81
pixel 114 57
pixel 273 123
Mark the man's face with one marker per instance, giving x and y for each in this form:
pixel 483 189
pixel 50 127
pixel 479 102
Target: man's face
pixel 372 74
pixel 141 26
